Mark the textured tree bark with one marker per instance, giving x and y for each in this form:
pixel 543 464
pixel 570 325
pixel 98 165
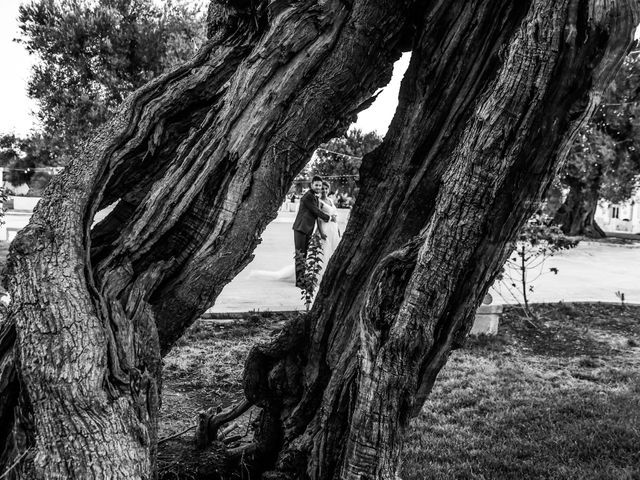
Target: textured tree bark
pixel 577 213
pixel 195 164
pixel 475 142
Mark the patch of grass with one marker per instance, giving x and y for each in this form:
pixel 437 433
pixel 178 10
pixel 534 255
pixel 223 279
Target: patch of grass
pixel 559 402
pixel 204 370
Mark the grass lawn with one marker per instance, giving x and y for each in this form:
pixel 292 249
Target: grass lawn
pixel 561 401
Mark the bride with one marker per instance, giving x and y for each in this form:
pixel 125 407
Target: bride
pixel 329 233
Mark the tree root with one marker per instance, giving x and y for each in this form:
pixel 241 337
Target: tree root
pixel 227 430
pixel 171 437
pixel 218 454
pixel 210 422
pixel 272 381
pixel 239 452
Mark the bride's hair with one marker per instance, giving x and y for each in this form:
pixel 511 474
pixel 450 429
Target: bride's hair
pixel 326 184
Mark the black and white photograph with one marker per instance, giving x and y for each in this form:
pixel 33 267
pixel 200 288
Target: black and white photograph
pixel 320 240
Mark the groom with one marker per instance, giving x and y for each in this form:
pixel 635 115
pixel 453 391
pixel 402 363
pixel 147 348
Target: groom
pixel 308 212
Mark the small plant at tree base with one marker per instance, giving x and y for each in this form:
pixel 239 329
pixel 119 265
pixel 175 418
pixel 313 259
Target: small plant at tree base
pixel 313 266
pixel 537 241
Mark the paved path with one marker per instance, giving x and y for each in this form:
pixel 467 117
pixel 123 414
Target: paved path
pixel 590 272
pixel 593 271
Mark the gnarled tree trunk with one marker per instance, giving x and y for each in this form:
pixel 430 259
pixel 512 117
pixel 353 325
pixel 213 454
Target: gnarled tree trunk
pixel 196 164
pixel 576 215
pixel 470 152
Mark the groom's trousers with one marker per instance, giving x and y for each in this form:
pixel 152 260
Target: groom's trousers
pixel 301 241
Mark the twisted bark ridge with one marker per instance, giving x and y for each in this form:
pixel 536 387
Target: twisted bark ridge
pixel 493 96
pixel 197 162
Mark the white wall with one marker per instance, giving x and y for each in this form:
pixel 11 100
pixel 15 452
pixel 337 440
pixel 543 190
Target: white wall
pixel 628 220
pixel 25 204
pixel 12 223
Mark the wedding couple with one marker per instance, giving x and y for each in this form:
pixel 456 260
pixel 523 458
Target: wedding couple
pixel 316 209
pixel 316 212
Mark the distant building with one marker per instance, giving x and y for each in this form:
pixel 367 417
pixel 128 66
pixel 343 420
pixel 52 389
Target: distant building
pixel 620 217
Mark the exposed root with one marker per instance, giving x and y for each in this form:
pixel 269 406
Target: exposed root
pixel 227 430
pixel 232 439
pixel 170 437
pixel 245 450
pixel 209 422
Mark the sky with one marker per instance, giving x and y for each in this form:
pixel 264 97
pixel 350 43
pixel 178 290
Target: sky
pixel 16 112
pixel 378 116
pixel 16 107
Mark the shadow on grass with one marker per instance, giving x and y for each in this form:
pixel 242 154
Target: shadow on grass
pixel 566 330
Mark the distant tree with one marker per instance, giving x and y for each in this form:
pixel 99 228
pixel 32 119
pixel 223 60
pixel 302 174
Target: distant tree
pixel 9 149
pixel 92 54
pixel 604 162
pixel 339 159
pixel 20 156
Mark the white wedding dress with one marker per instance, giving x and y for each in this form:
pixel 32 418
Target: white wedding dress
pixel 330 229
pixel 329 245
pixel 285 274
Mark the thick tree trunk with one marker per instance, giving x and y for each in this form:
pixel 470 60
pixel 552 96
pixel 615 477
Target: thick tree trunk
pixel 439 208
pixel 576 215
pixel 196 163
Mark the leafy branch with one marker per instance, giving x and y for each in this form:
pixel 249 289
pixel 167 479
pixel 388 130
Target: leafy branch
pixel 313 266
pixel 538 241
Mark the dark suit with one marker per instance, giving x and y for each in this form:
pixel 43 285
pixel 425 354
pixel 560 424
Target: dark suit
pixel 308 212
